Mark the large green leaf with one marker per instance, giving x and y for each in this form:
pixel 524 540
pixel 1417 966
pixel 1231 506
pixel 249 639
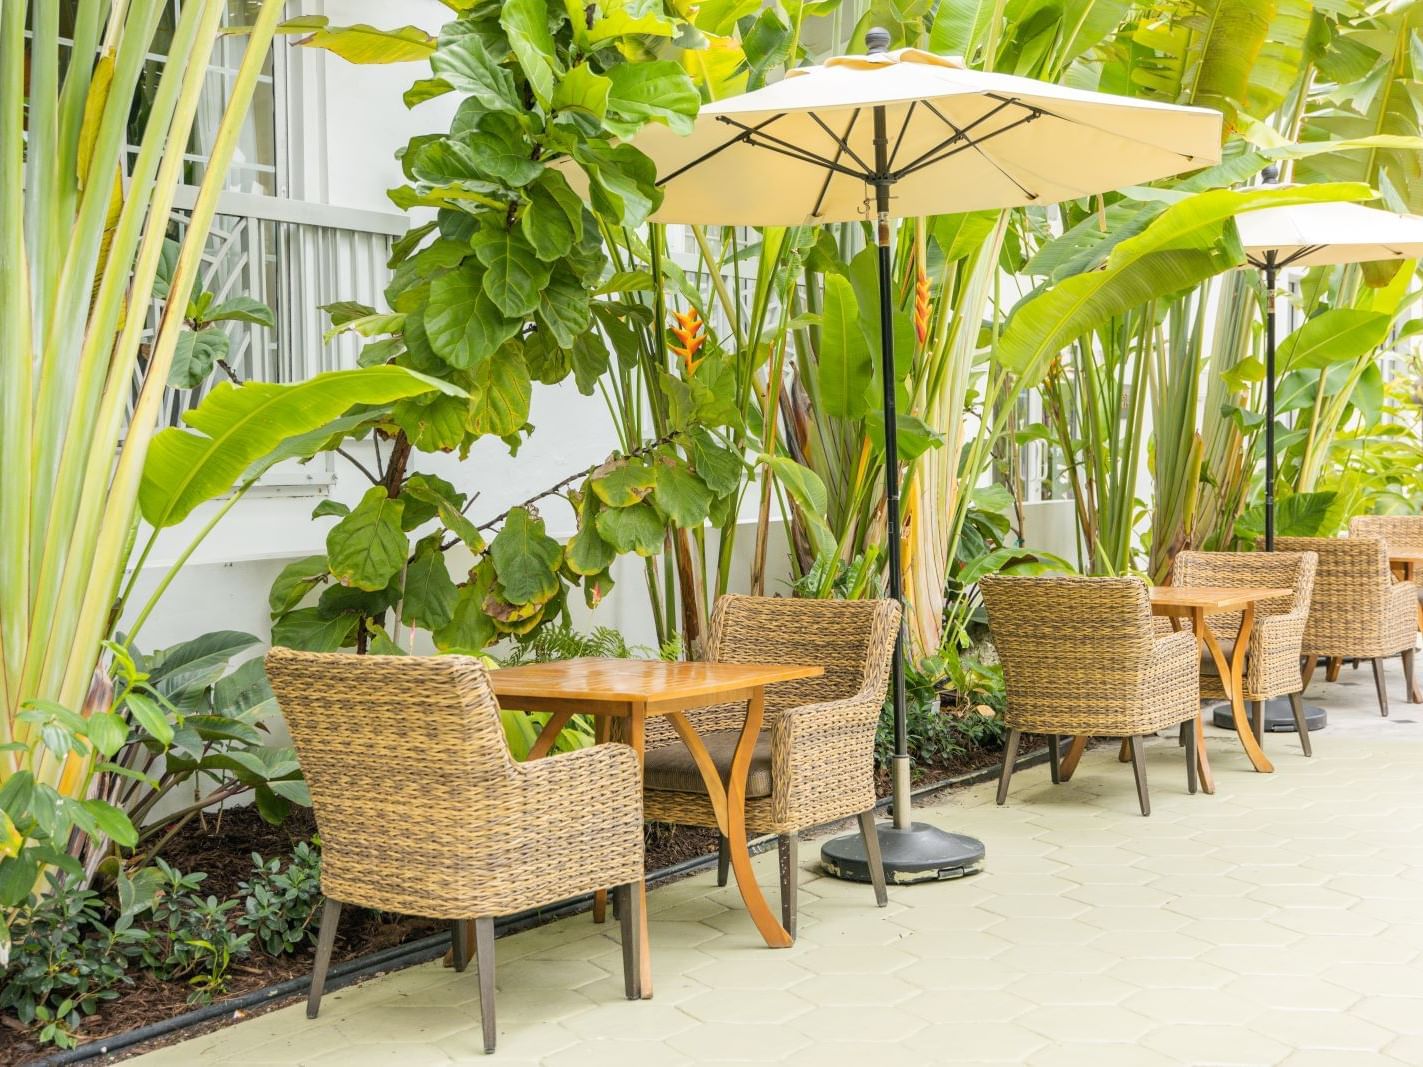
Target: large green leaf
pixel 500 151
pixel 659 91
pixel 1334 336
pixel 238 425
pixel 197 351
pixel 621 483
pixel 305 629
pixel 587 553
pixel 513 273
pixel 633 529
pixel 553 217
pixel 500 393
pixel 563 307
pixel 844 369
pixel 297 578
pixel 1184 245
pixel 526 23
pixel 808 492
pixel 368 548
pixel 367 44
pixel 430 595
pixel 526 559
pixel 464 63
pixel 582 90
pixel 680 495
pixel 463 323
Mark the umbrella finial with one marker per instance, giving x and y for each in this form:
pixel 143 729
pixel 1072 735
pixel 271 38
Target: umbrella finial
pixel 876 41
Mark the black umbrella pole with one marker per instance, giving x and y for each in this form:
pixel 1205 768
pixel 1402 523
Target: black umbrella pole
pixel 1270 404
pixel 905 850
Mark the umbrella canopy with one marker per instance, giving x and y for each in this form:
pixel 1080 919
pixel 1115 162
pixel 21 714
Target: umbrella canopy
pixel 802 150
pixel 1314 235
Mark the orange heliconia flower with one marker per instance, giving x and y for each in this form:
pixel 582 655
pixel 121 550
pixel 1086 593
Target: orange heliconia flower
pixel 921 306
pixel 691 331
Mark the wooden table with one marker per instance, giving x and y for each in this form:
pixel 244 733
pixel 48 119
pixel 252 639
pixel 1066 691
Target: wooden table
pixel 1196 603
pixel 1408 564
pixel 633 690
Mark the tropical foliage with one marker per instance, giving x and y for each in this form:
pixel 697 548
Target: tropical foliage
pixel 86 197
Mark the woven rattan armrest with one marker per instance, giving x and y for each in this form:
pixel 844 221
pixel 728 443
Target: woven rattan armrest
pixel 1402 597
pixel 586 807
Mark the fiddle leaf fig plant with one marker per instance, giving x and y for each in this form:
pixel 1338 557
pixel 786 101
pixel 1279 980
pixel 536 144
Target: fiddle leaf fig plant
pixel 509 285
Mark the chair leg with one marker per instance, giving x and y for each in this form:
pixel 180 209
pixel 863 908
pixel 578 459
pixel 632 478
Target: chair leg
pixel 1378 684
pixel 1138 765
pixel 1124 751
pixel 1184 732
pixel 1301 723
pixel 787 850
pixel 1307 671
pixel 460 943
pixel 1010 756
pixel 629 905
pixel 484 960
pixel 1408 675
pixel 723 859
pixel 1257 720
pixel 1054 760
pixel 325 938
pixel 870 836
pixel 1188 736
pixel 1331 672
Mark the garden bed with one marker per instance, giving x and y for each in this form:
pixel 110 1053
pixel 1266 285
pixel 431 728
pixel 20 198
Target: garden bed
pixel 222 846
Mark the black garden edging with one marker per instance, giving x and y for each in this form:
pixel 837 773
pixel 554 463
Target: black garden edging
pixel 434 946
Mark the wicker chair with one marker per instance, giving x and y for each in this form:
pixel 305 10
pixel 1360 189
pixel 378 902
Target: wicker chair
pixel 1397 531
pixel 1358 611
pixel 422 811
pixel 815 761
pixel 1081 659
pixel 1272 665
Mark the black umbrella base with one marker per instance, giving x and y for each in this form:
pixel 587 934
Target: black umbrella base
pixel 1278 718
pixel 922 853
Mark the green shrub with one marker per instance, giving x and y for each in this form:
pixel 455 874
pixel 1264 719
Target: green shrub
pixel 279 906
pixel 191 936
pixel 938 732
pixel 66 961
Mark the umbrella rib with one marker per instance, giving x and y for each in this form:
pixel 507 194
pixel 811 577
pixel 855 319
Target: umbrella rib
pixel 744 135
pixel 976 144
pixel 830 174
pixel 756 138
pixel 908 115
pixel 842 144
pixel 1298 254
pixel 959 134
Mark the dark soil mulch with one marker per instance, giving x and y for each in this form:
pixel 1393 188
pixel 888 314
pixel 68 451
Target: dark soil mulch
pixel 222 846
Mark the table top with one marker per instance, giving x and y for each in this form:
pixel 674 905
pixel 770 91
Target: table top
pixel 636 680
pixel 1178 599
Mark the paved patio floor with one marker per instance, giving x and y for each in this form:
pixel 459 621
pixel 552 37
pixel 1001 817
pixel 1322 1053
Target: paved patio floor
pixel 1277 922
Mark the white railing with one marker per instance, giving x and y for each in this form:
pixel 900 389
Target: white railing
pixel 294 257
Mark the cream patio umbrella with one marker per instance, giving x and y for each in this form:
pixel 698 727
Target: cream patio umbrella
pixel 909 133
pixel 1311 235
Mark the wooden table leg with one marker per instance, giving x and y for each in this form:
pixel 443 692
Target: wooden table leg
pixel 548 736
pixel 1233 681
pixel 1069 763
pixel 636 738
pixel 1203 763
pixel 772 931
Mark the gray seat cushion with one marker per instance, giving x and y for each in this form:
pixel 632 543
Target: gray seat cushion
pixel 1208 666
pixel 672 768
